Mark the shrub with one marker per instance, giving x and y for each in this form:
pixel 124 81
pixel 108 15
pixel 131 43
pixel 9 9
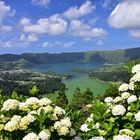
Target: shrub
pixel 34 119
pixel 116 118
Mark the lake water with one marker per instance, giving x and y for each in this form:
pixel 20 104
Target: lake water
pixel 80 79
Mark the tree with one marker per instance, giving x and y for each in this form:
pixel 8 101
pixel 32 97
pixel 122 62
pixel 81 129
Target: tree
pixel 111 91
pixel 77 100
pixel 87 96
pixel 62 99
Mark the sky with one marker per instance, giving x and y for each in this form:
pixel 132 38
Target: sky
pixel 57 26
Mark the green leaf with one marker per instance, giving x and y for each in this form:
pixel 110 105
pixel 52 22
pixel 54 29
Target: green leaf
pixel 129 126
pixel 137 132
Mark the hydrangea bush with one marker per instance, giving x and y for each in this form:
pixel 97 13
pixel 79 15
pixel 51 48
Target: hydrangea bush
pixel 34 119
pixel 116 118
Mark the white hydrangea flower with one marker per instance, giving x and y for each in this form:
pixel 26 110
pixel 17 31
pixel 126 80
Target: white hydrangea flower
pixel 45 102
pixel 136 68
pixel 48 108
pixel 118 110
pixel 11 126
pixel 126 132
pixel 10 104
pixel 31 118
pixel 59 111
pixel 123 87
pixel 135 78
pixel 122 137
pixel 25 121
pixel 63 131
pixel 117 99
pixel 45 134
pixel 53 117
pixel 33 102
pixel 16 118
pixel 84 128
pixel 131 86
pixel 65 122
pixel 125 95
pixel 57 124
pixel 137 116
pixel 31 136
pixel 23 106
pixel 97 138
pixel 108 99
pixel 131 99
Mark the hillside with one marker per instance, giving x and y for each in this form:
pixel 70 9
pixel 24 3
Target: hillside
pixel 23 80
pixel 27 59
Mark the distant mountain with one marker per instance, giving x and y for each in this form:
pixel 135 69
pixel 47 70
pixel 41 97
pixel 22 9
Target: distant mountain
pixel 116 56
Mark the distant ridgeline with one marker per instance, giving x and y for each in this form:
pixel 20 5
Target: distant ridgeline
pixel 28 59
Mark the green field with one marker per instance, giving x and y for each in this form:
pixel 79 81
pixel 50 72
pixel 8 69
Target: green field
pixel 97 87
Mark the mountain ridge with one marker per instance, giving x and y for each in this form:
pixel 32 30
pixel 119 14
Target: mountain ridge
pixel 111 56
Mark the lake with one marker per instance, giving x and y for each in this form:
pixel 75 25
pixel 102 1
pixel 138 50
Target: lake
pixel 80 79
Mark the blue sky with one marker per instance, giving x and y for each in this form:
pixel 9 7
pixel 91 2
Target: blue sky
pixel 56 26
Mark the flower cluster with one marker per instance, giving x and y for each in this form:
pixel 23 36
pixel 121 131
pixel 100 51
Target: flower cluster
pixel 117 118
pixel 63 126
pixel 43 135
pixel 39 117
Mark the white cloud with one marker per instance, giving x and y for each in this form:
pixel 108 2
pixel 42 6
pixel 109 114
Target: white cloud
pixel 126 15
pixel 25 21
pixel 58 44
pixel 93 21
pixel 78 28
pixel 46 45
pixel 78 25
pixel 5 11
pixel 41 2
pixel 54 25
pixel 84 9
pixel 69 44
pixel 135 33
pixel 6 28
pixel 65 44
pixel 28 38
pixel 13 43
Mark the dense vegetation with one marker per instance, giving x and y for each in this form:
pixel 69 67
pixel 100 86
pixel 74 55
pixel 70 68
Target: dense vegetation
pixel 22 81
pixel 111 73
